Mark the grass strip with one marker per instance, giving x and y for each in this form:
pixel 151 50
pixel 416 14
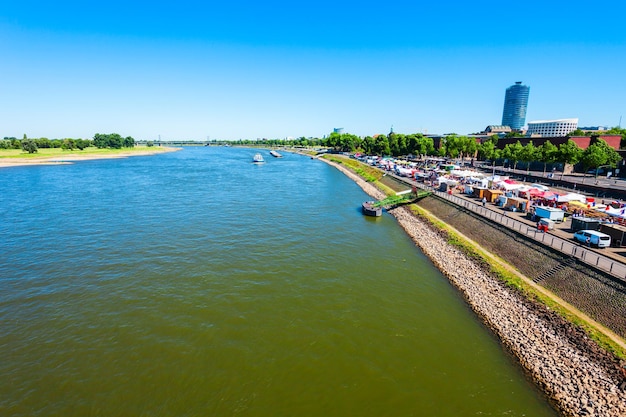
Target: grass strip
pixel 90 151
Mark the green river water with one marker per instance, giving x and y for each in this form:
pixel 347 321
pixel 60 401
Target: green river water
pixel 196 283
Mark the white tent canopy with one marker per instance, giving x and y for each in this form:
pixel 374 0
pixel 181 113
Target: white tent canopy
pixel 571 197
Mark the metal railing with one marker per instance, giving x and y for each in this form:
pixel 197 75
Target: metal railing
pixel 581 253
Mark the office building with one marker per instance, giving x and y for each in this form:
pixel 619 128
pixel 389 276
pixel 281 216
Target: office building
pixel 515 105
pixel 551 128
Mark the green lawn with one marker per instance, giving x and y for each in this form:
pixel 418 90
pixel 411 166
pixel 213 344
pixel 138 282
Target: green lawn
pixel 57 152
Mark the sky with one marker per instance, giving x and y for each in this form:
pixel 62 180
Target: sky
pixel 198 70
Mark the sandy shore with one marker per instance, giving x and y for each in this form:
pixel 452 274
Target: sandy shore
pixel 74 157
pixel 577 376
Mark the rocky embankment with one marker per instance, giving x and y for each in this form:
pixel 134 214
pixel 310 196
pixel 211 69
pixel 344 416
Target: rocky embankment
pixel 580 378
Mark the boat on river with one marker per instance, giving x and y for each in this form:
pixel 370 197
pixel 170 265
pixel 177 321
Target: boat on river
pixel 369 209
pixel 258 158
pixel 275 154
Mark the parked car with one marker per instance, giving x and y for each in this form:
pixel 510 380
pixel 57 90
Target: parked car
pixel 593 238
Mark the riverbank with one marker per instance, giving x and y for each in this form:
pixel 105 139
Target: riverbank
pixel 75 156
pixel 579 377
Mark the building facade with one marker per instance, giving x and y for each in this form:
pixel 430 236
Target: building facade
pixel 551 128
pixel 515 105
pixel 582 142
pixel 497 130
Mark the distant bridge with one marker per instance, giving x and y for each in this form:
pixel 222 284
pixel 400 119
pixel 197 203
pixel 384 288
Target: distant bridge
pixel 178 143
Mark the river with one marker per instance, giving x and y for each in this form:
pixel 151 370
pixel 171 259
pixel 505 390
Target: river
pixel 197 283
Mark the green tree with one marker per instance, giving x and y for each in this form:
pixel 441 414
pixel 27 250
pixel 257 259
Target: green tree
pixel 128 142
pixel 528 154
pixel 513 152
pixel 460 146
pixel 82 143
pixel 548 154
pixel 569 153
pixel 599 154
pixel 349 142
pixel 402 145
pixel 427 146
pixel 68 144
pixel 333 140
pixel 398 144
pixel 29 145
pixel 368 144
pixel 470 147
pixel 115 141
pixel 43 143
pixel 418 144
pixel 381 145
pixel 112 140
pixel 100 141
pixel 486 150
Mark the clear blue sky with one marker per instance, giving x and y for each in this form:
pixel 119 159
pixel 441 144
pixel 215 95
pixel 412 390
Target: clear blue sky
pixel 240 69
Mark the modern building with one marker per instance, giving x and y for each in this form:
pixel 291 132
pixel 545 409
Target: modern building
pixel 551 128
pixel 515 105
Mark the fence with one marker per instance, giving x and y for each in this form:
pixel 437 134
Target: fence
pixel 582 254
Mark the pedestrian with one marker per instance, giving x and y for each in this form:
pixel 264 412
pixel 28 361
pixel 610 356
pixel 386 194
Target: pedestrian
pixel 484 201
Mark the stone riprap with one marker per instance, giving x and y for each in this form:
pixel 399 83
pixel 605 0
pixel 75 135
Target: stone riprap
pixel 580 378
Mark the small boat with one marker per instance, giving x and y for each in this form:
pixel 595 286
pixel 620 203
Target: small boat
pixel 258 158
pixel 275 154
pixel 370 210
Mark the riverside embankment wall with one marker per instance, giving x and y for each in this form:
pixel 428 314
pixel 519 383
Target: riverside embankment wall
pixel 580 378
pixel 597 294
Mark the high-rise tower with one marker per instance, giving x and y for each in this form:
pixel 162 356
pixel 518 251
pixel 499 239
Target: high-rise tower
pixel 515 104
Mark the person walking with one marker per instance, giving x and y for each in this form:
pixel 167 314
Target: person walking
pixel 484 201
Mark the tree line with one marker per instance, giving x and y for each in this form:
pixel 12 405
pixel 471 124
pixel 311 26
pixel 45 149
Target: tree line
pixel 598 154
pixel 112 140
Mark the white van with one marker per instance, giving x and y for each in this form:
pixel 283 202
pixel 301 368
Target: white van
pixel 593 237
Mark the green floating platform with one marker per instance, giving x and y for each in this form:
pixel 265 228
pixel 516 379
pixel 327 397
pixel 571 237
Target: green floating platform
pixel 401 198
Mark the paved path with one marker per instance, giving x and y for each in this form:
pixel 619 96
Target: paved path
pixel 610 260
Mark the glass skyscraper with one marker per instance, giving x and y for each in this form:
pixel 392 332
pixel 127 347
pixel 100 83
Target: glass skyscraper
pixel 515 104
